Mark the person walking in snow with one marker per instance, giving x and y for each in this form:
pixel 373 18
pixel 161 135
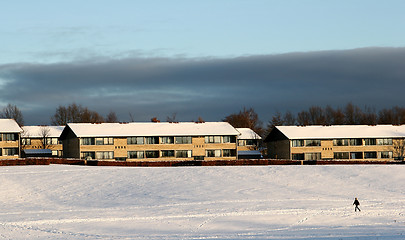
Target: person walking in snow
pixel 357 203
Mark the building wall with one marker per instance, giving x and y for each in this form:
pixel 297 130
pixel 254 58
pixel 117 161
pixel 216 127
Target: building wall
pixel 36 143
pixel 279 149
pixel 71 146
pixel 118 149
pixel 5 145
pixel 328 150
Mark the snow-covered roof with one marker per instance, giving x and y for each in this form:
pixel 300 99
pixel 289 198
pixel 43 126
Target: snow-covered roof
pixel 247 133
pixel 151 129
pixel 37 131
pixel 343 131
pixel 9 126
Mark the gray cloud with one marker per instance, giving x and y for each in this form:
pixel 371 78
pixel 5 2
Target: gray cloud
pixel 208 87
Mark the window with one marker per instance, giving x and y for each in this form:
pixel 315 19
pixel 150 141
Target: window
pixel 26 141
pixel 1 151
pixel 10 137
pixel 370 155
pixel 51 141
pixel 183 140
pixel 297 156
pixel 10 151
pixel 241 142
pixel 88 155
pixel 251 142
pixel 385 154
pixel 341 155
pixel 87 141
pixel 183 153
pixel 213 153
pixel 297 143
pixel 167 153
pixel 356 155
pixel 151 154
pixel 312 156
pixel 384 141
pixel 370 141
pixel 356 142
pixel 136 154
pixel 212 139
pixel 104 141
pixel 167 140
pixel 341 142
pixel 312 143
pixel 228 153
pixel 135 140
pixel 151 140
pixel 229 139
pixel 105 155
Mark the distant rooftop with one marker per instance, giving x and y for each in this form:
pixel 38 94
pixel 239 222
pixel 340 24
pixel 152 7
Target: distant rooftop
pixel 151 129
pixel 9 126
pixel 343 131
pixel 36 131
pixel 247 133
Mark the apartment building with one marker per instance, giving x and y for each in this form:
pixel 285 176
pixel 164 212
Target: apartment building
pixel 150 141
pixel 249 143
pixel 354 142
pixel 37 138
pixel 9 139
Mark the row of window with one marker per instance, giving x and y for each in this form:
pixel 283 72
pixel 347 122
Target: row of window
pixel 9 137
pixel 9 152
pixel 159 154
pixel 49 141
pixel 156 140
pixel 345 155
pixel 344 142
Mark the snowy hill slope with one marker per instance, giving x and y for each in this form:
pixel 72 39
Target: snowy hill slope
pixel 264 202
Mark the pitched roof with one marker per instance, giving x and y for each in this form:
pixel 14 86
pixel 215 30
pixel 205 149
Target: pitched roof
pixel 36 131
pixel 247 133
pixel 9 126
pixel 343 131
pixel 151 129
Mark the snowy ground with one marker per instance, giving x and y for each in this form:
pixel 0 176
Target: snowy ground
pixel 263 202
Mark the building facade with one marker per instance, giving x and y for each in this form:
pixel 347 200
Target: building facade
pixel 150 141
pixel 357 142
pixel 249 144
pixel 9 139
pixel 42 137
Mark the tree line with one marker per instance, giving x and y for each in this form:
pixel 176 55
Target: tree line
pixel 348 115
pixel 245 118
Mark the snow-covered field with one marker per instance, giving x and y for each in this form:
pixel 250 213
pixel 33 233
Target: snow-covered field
pixel 248 202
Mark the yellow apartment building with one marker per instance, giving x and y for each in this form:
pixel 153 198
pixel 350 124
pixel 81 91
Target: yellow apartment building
pixel 150 141
pixel 42 137
pixel 9 139
pixel 352 142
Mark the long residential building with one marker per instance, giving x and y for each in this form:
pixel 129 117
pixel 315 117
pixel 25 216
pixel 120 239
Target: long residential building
pixel 354 142
pixel 150 141
pixel 9 139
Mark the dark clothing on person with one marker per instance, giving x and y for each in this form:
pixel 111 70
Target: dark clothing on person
pixel 357 203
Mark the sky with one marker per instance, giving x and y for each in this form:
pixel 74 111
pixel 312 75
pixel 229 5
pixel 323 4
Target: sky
pixel 196 59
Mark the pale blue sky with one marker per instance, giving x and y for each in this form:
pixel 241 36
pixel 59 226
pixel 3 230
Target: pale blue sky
pixel 52 31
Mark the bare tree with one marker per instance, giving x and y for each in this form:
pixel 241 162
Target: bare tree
pixel 111 118
pixel 45 141
pixel 246 118
pixel 171 118
pixel 12 112
pixel 75 113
